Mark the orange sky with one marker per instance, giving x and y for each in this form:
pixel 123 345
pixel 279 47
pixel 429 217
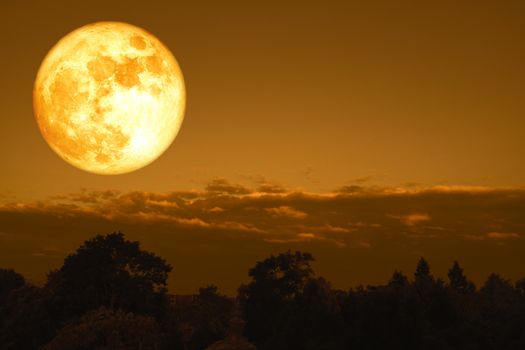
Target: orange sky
pixel 307 97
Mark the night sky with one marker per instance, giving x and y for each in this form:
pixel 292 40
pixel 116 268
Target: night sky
pixel 368 133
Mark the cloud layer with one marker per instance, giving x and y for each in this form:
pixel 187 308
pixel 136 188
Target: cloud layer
pixel 359 234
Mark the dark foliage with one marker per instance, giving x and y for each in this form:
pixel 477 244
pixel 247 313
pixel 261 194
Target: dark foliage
pixel 108 329
pixel 110 294
pixel 425 313
pixel 9 280
pixel 109 271
pixel 25 322
pixel 200 321
pixel 285 301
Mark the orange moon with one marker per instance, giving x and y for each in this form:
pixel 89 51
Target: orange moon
pixel 109 98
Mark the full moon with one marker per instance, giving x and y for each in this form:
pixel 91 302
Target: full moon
pixel 109 98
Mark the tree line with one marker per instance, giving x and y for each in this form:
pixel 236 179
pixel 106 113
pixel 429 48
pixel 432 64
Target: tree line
pixel 111 294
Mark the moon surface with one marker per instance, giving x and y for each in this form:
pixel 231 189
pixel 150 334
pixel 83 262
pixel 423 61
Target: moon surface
pixel 109 98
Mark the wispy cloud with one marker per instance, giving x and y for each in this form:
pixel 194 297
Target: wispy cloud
pixel 502 235
pixel 411 219
pixel 287 212
pixel 306 237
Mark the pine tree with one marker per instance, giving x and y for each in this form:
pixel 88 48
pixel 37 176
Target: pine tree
pixel 458 281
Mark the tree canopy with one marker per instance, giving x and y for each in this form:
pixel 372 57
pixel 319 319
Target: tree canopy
pixel 109 271
pixel 9 280
pixel 107 329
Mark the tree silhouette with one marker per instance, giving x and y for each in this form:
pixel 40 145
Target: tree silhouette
pixel 109 271
pixel 422 270
pixel 26 321
pixel 110 294
pixel 317 321
pixel 502 315
pixel 398 280
pixel 269 299
pixel 520 287
pixel 458 281
pixel 498 293
pixel 286 274
pixel 423 280
pixel 202 321
pixel 9 280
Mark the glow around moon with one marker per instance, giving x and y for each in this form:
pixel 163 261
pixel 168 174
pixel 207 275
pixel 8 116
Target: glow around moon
pixel 109 98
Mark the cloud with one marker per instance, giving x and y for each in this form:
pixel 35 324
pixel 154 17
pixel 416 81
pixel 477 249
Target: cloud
pixel 287 212
pixel 271 188
pixel 361 224
pixel 223 186
pixel 412 219
pixel 305 237
pixel 300 237
pixel 266 186
pixel 459 212
pixel 334 229
pixel 225 227
pixel 216 210
pixel 502 235
pixel 415 189
pixel 351 189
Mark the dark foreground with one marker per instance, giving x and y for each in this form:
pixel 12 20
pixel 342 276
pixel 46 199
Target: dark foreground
pixel 110 294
